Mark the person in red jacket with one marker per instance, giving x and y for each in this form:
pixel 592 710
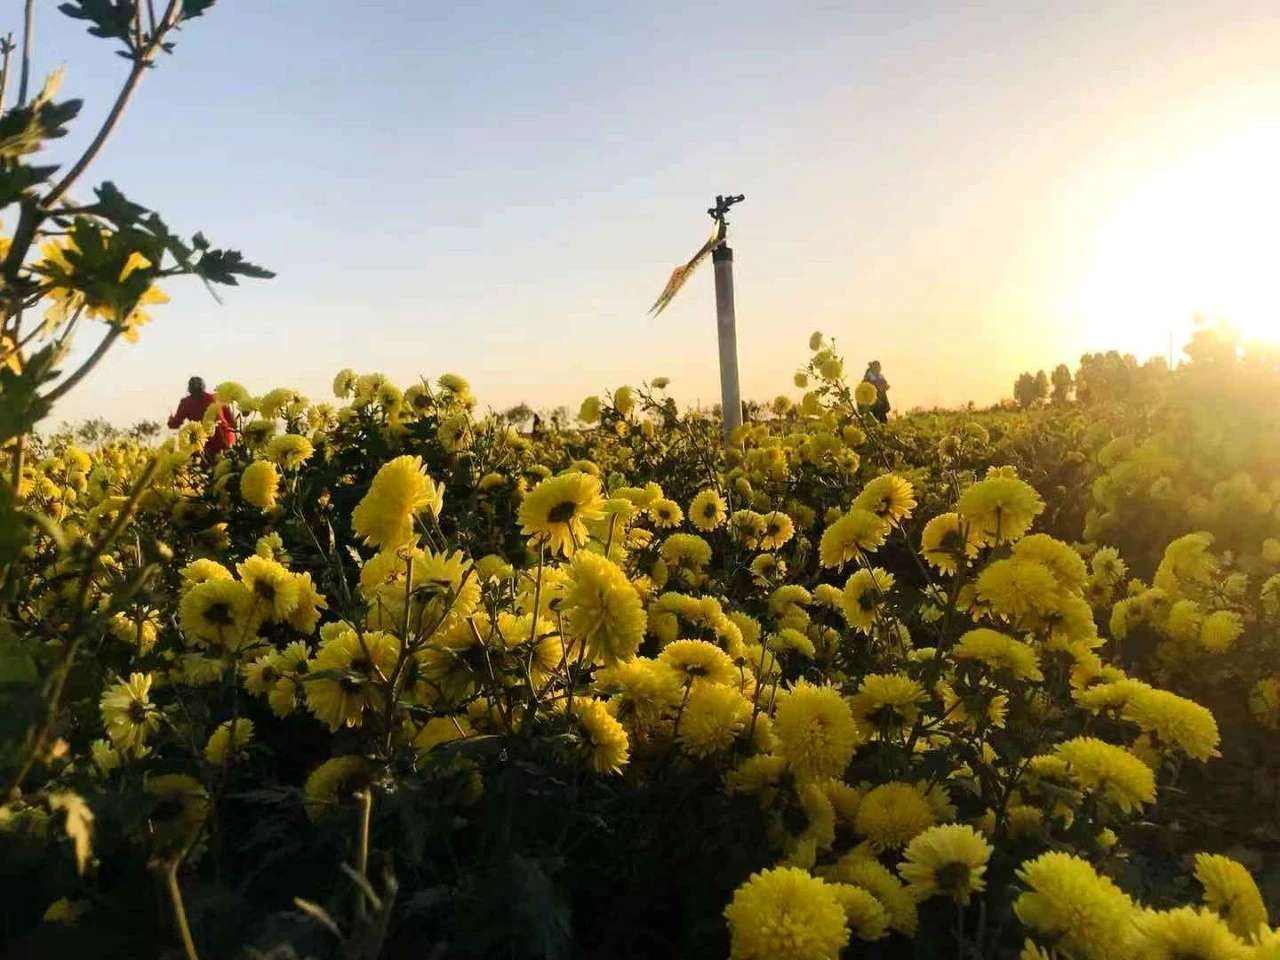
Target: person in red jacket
pixel 193 407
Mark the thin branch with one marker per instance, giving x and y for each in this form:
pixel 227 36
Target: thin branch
pixel 137 26
pixel 28 32
pixel 7 47
pixel 141 60
pixel 108 125
pixel 85 368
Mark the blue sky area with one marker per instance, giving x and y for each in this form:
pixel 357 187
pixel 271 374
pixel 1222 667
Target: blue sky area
pixel 500 189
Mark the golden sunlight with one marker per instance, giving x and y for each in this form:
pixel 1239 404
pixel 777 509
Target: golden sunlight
pixel 1198 237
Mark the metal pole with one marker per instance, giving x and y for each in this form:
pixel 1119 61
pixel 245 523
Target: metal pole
pixel 730 396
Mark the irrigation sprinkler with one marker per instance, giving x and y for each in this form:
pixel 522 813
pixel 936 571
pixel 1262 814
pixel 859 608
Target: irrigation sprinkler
pixel 726 324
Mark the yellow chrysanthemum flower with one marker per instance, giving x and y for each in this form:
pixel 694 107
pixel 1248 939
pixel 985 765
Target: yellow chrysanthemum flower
pixel 712 719
pixel 707 510
pixel 358 659
pixel 1069 904
pixel 947 860
pixel 1000 508
pixel 786 914
pixel 860 869
pixel 333 783
pixel 290 665
pixel 856 532
pixel 642 690
pixel 945 539
pixel 1187 932
pixel 767 569
pixel 181 805
pixel 1107 565
pixel 400 491
pixel 589 411
pixel 258 484
pixel 892 814
pixel 273 588
pixel 665 513
pixel 1018 590
pixel 624 400
pixel 557 510
pixel 1177 721
pixel 289 450
pixel 602 610
pixel 218 612
pixel 1112 772
pixel 306 614
pixel 778 529
pixel 1001 652
pixel 816 731
pixel 1231 892
pixel 888 701
pixel 128 714
pixel 685 551
pixel 865 593
pixel 865 394
pixel 889 497
pixel 1220 630
pixel 747 527
pixel 228 741
pixel 343 383
pixel 867 917
pixel 697 660
pixel 604 738
pixel 789 638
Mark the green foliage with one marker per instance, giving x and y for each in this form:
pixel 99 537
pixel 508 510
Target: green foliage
pixel 21 404
pixel 24 130
pixel 123 20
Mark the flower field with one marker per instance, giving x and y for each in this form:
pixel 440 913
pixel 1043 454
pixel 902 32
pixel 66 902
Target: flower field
pixel 992 683
pixel 397 676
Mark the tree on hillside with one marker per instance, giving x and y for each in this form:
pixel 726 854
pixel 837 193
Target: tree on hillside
pixel 1062 383
pixel 1030 389
pixel 518 415
pixel 1042 386
pixel 1111 376
pixel 1024 390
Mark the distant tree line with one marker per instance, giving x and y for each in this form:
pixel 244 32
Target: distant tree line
pixel 1100 377
pixel 96 431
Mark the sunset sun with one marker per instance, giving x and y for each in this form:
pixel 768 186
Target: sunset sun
pixel 1197 237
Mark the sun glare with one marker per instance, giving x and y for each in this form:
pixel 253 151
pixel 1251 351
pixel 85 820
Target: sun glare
pixel 1198 237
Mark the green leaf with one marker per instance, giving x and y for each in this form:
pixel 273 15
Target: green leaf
pixel 111 19
pixel 16 179
pixel 97 261
pixel 223 266
pixel 24 129
pixel 21 406
pixel 114 206
pixel 79 825
pixel 195 8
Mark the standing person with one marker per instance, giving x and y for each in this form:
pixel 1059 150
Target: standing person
pixel 193 407
pixel 874 377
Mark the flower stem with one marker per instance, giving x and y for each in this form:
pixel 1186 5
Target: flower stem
pixel 179 910
pixel 365 797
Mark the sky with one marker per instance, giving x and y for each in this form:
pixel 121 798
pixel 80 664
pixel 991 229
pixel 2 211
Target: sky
pixel 961 190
